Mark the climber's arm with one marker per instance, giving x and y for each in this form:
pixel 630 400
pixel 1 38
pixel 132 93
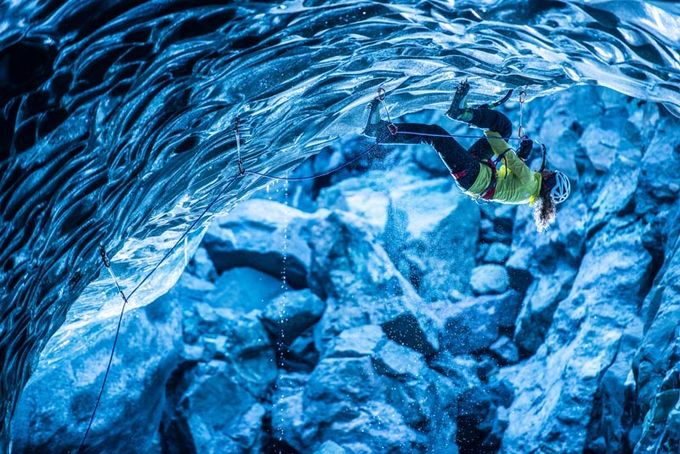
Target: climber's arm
pixel 512 161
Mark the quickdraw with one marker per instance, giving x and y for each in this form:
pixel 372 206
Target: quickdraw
pixel 391 127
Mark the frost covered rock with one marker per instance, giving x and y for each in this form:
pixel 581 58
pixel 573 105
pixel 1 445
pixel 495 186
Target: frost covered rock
pixel 538 308
pixel 243 289
pixel 427 227
pixel 289 315
pixel 258 234
pixel 473 324
pixel 53 411
pixel 360 284
pixel 489 279
pixel 556 388
pixel 372 393
pixel 218 410
pixel 497 253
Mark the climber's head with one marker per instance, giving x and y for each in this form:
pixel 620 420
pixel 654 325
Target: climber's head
pixel 555 189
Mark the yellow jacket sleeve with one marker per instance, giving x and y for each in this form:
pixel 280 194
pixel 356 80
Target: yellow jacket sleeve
pixel 499 146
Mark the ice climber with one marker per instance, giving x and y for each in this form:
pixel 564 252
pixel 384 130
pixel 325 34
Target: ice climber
pixel 474 170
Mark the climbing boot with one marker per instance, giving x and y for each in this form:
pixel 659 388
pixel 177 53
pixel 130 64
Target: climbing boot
pixel 458 109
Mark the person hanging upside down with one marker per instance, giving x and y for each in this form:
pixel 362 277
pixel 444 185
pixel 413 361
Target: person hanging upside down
pixel 473 169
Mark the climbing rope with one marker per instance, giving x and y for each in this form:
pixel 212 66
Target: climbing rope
pixel 126 299
pixel 107 265
pixel 242 171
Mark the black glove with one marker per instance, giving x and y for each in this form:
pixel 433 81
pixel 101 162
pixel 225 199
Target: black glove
pixel 525 147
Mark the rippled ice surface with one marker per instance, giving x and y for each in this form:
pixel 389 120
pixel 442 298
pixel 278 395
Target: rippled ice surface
pixel 123 137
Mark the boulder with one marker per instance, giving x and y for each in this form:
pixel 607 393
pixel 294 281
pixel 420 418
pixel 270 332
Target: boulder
pixel 264 235
pixel 489 279
pixel 360 283
pixel 424 240
pixel 556 388
pixel 55 406
pixel 367 393
pixel 224 334
pixel 505 350
pixel 290 314
pixel 538 307
pixel 497 253
pixel 244 289
pixel 473 324
pixel 217 411
pixel 393 360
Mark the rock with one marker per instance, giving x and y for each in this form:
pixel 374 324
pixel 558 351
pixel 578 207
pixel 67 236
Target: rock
pixel 201 266
pixel 504 349
pixel 655 362
pixel 288 414
pixel 60 396
pixel 479 425
pixel 356 342
pixel 538 308
pixel 556 388
pixel 366 199
pixel 259 234
pixel 489 279
pixel 351 388
pixel 290 314
pixel 662 421
pixel 602 140
pixel 223 334
pixel 364 385
pixel 611 423
pixel 330 447
pixel 302 354
pixel 617 191
pixel 472 325
pixel 218 411
pixel 244 289
pixel 497 253
pixel 396 361
pixel 417 236
pixel 353 272
pixel 462 370
pixel 659 161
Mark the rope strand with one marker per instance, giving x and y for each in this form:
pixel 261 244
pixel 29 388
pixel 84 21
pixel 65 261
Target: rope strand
pixel 126 299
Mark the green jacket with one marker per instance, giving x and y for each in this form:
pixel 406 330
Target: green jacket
pixel 516 183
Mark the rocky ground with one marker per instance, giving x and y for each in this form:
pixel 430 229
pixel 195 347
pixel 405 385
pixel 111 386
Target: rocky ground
pixel 382 311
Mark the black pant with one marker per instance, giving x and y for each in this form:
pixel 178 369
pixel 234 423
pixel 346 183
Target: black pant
pixel 456 158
